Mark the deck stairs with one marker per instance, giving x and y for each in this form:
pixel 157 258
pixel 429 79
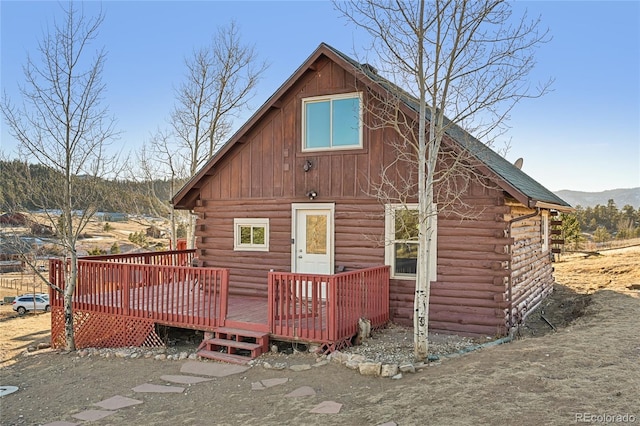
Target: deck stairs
pixel 234 345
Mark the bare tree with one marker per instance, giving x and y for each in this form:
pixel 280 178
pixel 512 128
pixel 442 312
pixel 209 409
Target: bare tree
pixel 158 159
pixel 220 81
pixel 61 124
pixel 465 64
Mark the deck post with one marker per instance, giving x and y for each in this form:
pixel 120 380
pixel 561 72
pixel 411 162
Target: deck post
pixel 270 301
pixel 126 294
pixel 224 297
pixel 332 309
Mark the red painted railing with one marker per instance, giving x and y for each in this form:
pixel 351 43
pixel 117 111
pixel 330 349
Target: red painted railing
pixel 180 295
pixel 168 258
pixel 326 308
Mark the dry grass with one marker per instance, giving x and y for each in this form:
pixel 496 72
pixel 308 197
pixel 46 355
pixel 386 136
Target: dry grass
pixel 590 365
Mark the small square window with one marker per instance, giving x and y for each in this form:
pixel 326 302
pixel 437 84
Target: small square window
pixel 251 234
pixel 332 122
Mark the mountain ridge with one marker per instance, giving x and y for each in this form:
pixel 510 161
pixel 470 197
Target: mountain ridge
pixel 621 196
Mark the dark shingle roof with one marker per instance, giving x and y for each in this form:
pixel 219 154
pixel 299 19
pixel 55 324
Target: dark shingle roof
pixel 495 162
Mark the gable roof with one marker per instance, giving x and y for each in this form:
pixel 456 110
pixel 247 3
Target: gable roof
pixel 513 180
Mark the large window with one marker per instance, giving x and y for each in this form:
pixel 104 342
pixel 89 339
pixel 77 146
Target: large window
pixel 332 122
pixel 251 234
pixel 402 239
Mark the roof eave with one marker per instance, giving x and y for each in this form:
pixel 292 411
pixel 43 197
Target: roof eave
pixel 551 206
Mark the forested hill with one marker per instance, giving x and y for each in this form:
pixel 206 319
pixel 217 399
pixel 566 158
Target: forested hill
pixel 622 197
pixel 17 179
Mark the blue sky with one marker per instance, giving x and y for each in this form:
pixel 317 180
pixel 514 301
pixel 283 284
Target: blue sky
pixel 585 135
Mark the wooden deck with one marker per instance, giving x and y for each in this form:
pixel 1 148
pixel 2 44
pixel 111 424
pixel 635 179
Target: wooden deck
pixel 115 294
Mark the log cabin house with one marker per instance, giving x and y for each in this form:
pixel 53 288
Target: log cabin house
pixel 289 192
pixel 292 245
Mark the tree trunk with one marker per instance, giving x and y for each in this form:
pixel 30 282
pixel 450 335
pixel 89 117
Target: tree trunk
pixel 69 289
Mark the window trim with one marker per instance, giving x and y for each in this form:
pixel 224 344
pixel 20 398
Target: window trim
pixel 390 240
pixel 544 231
pixel 254 223
pixel 332 98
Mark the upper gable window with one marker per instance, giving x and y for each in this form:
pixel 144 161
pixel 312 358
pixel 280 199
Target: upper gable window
pixel 332 122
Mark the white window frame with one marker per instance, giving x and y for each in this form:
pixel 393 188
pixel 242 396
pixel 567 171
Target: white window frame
pixel 331 98
pixel 544 231
pixel 254 223
pixel 390 237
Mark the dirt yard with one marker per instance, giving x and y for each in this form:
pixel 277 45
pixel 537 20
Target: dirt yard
pixel 586 370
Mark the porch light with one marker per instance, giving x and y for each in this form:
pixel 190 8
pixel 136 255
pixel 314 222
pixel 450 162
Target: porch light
pixel 312 195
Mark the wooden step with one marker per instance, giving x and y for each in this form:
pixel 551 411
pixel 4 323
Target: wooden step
pixel 221 356
pixel 239 332
pixel 233 345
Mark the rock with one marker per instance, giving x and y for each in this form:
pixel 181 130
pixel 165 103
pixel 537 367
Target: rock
pixel 183 355
pixel 407 368
pixel 279 366
pixel 397 376
pixel 357 358
pixel 267 365
pixel 274 349
pixel 31 349
pixel 160 357
pixel 300 367
pixel 321 363
pixel 339 357
pixel 43 345
pixel 370 368
pixel 389 370
pixel 122 354
pixel 193 356
pixel 353 365
pixel 134 355
pixel 314 349
pixel 83 353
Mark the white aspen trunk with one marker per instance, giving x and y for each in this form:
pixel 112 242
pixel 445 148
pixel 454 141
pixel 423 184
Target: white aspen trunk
pixel 191 232
pixel 69 289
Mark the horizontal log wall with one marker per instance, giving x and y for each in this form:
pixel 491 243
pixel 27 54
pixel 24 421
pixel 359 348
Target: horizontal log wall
pixel 358 231
pixel 468 296
pixel 531 268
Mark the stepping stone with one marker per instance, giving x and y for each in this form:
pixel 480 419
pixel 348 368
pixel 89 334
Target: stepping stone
pixel 257 386
pixel 6 390
pixel 302 391
pixel 187 380
pixel 327 407
pixel 212 369
pixel 58 423
pixel 92 415
pixel 148 387
pixel 268 383
pixel 117 402
pixel 388 424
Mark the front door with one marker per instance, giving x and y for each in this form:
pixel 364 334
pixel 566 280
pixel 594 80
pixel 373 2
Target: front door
pixel 312 248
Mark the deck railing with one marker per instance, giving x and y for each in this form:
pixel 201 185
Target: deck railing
pixel 168 258
pixel 326 308
pixel 180 295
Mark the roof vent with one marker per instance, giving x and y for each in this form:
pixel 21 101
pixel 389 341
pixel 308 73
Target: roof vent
pixel 369 68
pixel 518 163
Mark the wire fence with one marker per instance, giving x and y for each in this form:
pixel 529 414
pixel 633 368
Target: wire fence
pixel 27 283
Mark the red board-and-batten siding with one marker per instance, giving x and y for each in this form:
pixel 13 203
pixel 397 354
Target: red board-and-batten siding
pixel 261 176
